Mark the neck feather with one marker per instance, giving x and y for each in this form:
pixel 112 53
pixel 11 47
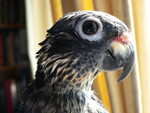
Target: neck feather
pixel 69 71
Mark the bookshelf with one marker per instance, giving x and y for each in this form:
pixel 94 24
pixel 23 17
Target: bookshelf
pixel 14 61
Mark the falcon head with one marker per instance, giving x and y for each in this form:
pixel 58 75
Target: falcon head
pixel 81 44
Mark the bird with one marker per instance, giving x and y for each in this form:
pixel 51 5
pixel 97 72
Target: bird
pixel 77 47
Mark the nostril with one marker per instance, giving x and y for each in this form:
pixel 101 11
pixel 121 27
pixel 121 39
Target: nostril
pixel 111 54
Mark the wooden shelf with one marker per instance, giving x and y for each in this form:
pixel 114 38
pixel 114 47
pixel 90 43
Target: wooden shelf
pixel 10 68
pixel 10 72
pixel 11 26
pixel 7 68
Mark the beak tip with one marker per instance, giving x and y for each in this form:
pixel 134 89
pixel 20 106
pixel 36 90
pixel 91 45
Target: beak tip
pixel 120 80
pixel 126 72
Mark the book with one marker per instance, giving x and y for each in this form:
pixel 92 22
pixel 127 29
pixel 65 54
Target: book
pixel 6 9
pixel 11 53
pixel 1 50
pixel 5 48
pixel 1 11
pixel 3 108
pixel 8 96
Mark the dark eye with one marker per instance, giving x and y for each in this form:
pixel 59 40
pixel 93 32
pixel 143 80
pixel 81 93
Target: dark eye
pixel 90 27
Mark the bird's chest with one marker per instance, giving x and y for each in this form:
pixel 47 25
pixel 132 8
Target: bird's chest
pixel 77 102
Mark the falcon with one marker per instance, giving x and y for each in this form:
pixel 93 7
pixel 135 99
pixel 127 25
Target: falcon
pixel 77 47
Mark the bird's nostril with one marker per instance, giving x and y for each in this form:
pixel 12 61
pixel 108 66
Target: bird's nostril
pixel 111 54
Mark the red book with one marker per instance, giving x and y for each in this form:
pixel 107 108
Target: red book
pixel 8 97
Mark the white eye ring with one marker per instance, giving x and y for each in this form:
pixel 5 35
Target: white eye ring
pixel 91 37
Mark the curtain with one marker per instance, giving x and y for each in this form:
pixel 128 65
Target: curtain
pixel 133 94
pixel 39 19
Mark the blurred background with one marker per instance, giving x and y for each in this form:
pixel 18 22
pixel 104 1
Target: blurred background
pixel 23 24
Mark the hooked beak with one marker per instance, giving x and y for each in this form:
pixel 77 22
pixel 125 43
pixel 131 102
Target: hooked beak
pixel 120 54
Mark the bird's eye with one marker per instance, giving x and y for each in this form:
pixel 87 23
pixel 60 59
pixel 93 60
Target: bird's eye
pixel 90 27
